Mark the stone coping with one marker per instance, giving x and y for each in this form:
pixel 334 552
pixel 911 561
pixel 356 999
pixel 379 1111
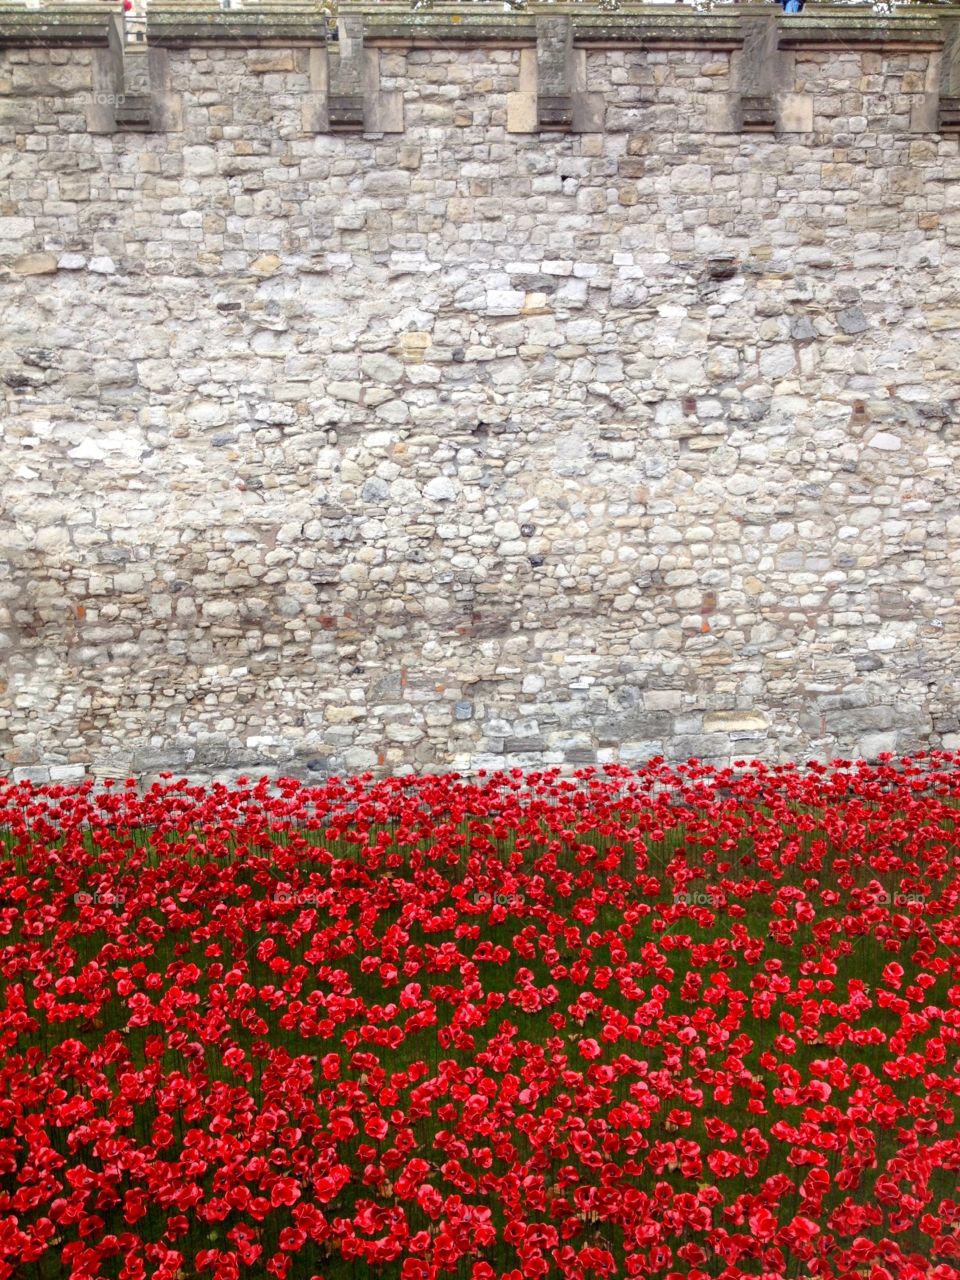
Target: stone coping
pixel 637 23
pixel 177 27
pixel 76 24
pixel 177 23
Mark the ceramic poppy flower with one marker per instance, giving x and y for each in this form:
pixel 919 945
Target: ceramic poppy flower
pixel 272 1030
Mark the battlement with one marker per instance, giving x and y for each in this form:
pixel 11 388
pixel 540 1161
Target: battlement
pixel 759 42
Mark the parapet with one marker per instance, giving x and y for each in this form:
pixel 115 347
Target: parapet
pixel 554 39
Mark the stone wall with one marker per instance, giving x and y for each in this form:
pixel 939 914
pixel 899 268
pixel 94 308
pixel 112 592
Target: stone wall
pixel 463 445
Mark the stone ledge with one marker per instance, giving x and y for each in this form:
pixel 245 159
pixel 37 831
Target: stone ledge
pixel 637 24
pixel 830 25
pixel 179 23
pixel 482 24
pixel 73 25
pixel 170 26
pixel 647 25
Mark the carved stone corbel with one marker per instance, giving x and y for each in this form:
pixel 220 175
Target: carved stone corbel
pixel 764 101
pixel 554 74
pixel 122 98
pixel 345 88
pixel 948 105
pixel 345 105
pixel 758 75
pixel 552 95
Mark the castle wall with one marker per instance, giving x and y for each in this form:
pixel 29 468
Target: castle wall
pixel 459 446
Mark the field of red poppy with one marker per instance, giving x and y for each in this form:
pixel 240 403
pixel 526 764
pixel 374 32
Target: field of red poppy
pixel 675 1022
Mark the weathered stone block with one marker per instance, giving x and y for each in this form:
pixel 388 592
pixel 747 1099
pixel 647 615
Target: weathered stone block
pixel 521 113
pixel 734 722
pixel 795 113
pixel 858 720
pixel 35 264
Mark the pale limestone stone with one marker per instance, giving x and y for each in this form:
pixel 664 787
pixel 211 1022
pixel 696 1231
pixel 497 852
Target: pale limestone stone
pixel 349 391
pixel 795 112
pixel 734 722
pixel 778 361
pixel 440 489
pixel 381 368
pixel 13 228
pixel 885 441
pixel 200 161
pixel 504 302
pixel 87 451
